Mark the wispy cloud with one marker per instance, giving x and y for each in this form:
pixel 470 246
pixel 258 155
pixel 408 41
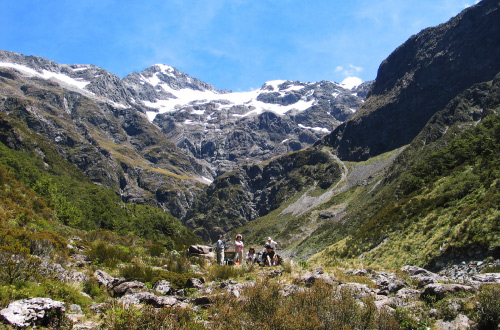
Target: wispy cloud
pixel 349 71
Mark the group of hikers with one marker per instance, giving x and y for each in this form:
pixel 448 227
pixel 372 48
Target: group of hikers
pixel 267 257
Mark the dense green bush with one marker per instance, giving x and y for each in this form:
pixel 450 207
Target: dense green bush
pixel 109 255
pixel 487 312
pixel 132 318
pixel 318 307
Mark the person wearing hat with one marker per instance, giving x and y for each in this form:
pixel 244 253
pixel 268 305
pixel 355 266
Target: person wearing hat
pixel 238 248
pixel 272 243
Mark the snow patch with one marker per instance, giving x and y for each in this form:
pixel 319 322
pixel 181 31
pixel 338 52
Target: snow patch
pixel 318 129
pixel 49 75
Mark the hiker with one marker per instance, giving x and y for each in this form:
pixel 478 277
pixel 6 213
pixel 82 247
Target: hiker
pixel 219 249
pixel 251 256
pixel 272 243
pixel 238 249
pixel 269 258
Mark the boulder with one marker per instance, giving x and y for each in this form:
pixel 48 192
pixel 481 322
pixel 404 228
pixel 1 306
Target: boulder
pixel 201 250
pixel 487 278
pixel 309 279
pixel 74 308
pixel 194 283
pixel 128 288
pixel 163 287
pixel 107 280
pixel 439 291
pixel 148 298
pixel 422 276
pixel 34 311
pixel 103 278
pixel 357 290
pixel 461 322
pixel 202 301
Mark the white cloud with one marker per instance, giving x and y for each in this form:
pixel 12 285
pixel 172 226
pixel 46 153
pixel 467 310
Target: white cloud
pixel 349 71
pixel 351 82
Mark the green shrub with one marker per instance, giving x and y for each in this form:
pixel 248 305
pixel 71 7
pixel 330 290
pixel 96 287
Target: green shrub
pixel 320 307
pixel 224 272
pixel 487 312
pixel 92 287
pixel 16 264
pixel 109 255
pixel 133 318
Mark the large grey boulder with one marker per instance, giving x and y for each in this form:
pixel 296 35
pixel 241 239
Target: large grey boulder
pixel 439 291
pixel 163 287
pixel 107 280
pixel 128 288
pixel 487 278
pixel 422 276
pixel 34 311
pixel 148 298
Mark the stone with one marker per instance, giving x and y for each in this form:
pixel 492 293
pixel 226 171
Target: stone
pixel 74 308
pixel 128 288
pixel 163 287
pixel 34 311
pixel 103 278
pixel 407 294
pixel 357 290
pixel 439 291
pixel 148 298
pixel 461 322
pixel 487 278
pixel 98 307
pixel 309 279
pixel 202 301
pixel 194 283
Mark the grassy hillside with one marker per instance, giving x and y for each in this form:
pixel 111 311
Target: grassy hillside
pixel 42 191
pixel 445 207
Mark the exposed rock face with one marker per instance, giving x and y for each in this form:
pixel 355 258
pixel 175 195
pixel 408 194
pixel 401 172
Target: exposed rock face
pixel 98 122
pixel 88 115
pixel 34 311
pixel 439 291
pixel 419 78
pixel 225 129
pixel 254 190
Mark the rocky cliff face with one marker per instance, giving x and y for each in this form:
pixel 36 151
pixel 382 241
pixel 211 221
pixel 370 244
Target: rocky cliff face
pixel 421 77
pixel 253 191
pixel 225 129
pixel 113 143
pixel 102 123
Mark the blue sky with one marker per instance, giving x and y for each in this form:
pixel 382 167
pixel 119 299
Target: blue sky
pixel 232 44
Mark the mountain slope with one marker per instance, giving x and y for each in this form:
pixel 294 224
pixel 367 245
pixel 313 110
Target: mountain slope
pixel 446 186
pixel 115 145
pixel 224 129
pixel 41 191
pixel 370 212
pixel 419 78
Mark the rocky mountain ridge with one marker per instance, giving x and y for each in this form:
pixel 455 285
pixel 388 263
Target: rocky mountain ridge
pixel 102 124
pixel 419 78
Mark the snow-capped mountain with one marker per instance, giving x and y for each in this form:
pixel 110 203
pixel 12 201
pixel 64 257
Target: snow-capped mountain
pixel 225 128
pixel 218 127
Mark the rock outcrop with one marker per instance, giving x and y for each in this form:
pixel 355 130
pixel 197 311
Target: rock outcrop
pixel 31 312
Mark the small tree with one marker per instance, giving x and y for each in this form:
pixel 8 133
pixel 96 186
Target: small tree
pixel 16 264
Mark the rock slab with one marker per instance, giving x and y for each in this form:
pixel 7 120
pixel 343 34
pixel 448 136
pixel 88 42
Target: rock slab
pixel 29 312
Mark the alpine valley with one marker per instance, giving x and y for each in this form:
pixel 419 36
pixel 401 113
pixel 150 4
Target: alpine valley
pixel 101 175
pixel 402 170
